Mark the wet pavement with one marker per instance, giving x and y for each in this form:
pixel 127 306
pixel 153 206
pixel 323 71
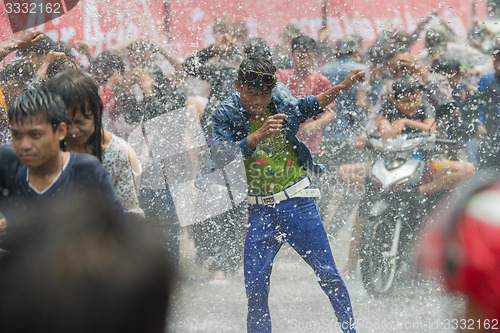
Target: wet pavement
pixel 298 304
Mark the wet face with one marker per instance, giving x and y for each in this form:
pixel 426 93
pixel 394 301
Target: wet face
pixel 409 103
pixel 303 60
pixel 254 99
pixel 35 142
pixel 80 127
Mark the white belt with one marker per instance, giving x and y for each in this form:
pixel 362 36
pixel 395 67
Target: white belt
pixel 297 190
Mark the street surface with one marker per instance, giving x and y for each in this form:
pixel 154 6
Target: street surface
pixel 298 304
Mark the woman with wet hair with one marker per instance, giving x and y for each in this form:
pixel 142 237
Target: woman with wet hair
pixel 86 134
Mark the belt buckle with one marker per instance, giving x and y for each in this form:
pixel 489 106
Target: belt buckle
pixel 268 201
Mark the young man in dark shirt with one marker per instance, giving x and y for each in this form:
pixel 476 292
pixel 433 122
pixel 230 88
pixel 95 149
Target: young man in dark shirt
pixel 38 169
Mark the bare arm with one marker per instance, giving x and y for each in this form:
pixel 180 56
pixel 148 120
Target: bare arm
pixel 22 40
pixel 327 97
pixel 428 125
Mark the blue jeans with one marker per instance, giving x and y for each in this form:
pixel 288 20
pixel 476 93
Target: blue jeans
pixel 298 222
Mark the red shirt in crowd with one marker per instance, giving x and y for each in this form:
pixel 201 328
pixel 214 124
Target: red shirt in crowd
pixel 313 84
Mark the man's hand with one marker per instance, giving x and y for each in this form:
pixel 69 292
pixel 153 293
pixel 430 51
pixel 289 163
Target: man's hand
pixel 271 126
pixel 327 97
pixel 398 126
pixel 145 81
pixel 27 38
pixel 354 76
pixel 116 83
pixel 51 56
pixel 83 48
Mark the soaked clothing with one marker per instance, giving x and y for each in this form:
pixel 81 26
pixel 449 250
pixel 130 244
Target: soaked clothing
pixel 436 90
pixel 116 161
pixel 295 220
pixel 340 129
pixel 392 113
pixel 488 102
pixel 83 175
pixel 273 166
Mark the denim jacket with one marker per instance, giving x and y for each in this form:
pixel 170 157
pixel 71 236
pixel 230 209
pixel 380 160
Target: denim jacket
pixel 230 122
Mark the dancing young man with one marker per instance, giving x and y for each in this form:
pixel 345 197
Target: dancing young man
pixel 262 118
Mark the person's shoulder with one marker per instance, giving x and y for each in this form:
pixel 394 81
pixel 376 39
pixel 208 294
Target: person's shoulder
pixel 118 141
pixel 233 101
pixel 8 159
pixel 229 108
pixel 7 153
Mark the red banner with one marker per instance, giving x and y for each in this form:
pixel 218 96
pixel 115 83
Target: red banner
pixel 192 19
pixel 104 23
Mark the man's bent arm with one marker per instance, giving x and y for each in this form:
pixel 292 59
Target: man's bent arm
pixel 327 97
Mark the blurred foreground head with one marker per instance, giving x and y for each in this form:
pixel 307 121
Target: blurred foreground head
pixel 81 269
pixel 463 246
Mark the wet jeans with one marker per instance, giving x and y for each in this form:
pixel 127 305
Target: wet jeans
pixel 298 222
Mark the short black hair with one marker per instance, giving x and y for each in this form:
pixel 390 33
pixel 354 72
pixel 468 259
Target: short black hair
pixel 255 46
pixel 33 102
pixel 106 63
pixel 59 65
pixel 80 92
pixel 303 42
pixel 403 85
pixel 257 63
pixel 445 64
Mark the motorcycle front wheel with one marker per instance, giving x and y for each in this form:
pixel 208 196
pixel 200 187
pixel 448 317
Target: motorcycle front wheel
pixel 379 253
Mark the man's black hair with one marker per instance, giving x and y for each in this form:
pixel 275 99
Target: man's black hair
pixel 304 43
pixel 255 46
pixel 59 65
pixel 34 102
pixel 80 92
pixel 64 47
pixel 445 64
pixel 107 63
pixel 21 71
pixel 378 53
pixel 403 85
pixel 44 46
pixel 257 63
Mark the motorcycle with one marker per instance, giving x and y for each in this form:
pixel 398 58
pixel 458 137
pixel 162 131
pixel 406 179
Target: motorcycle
pixel 397 206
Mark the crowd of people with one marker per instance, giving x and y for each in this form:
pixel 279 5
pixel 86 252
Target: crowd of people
pixel 299 112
